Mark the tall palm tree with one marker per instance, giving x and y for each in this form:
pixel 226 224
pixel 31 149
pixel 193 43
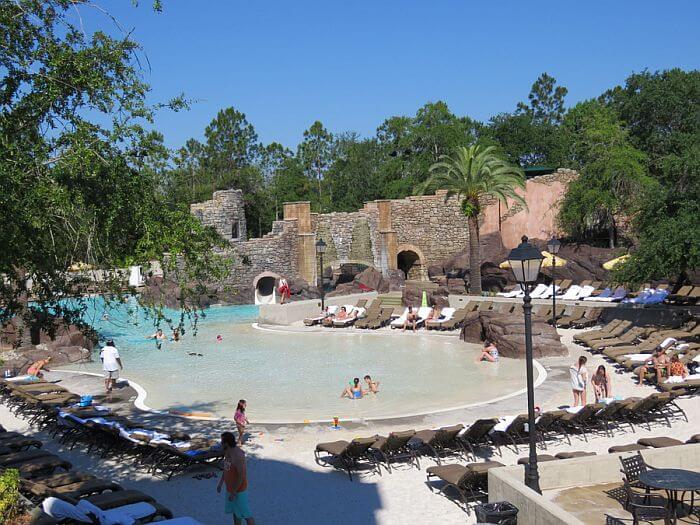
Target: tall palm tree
pixel 473 173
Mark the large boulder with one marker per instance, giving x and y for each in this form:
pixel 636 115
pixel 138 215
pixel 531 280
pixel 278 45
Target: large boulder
pixel 507 332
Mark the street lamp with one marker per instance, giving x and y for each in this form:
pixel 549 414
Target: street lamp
pixel 320 250
pixel 525 261
pixel 553 247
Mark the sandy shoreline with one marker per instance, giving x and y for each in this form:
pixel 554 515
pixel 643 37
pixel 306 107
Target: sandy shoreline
pixel 286 486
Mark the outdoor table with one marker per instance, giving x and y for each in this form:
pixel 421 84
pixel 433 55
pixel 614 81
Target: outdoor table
pixel 672 480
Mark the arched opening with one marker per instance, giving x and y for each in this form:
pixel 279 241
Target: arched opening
pixel 409 263
pixel 264 285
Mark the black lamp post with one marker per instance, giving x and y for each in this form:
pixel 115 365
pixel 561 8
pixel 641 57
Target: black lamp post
pixel 553 247
pixel 525 261
pixel 320 250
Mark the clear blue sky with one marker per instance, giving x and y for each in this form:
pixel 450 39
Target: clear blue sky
pixel 353 64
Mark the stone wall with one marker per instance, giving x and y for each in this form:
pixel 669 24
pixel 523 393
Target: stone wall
pixel 430 226
pixel 225 212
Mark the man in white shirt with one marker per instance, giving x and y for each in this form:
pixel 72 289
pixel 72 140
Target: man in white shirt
pixel 111 364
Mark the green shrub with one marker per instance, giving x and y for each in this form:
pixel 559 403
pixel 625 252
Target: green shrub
pixel 9 495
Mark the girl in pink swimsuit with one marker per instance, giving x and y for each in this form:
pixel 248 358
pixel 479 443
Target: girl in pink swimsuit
pixel 241 420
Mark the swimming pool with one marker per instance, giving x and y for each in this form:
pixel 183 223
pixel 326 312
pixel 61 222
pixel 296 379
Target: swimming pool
pixel 293 377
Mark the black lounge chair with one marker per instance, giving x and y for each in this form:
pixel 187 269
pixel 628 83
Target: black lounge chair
pixel 396 447
pixel 349 456
pixel 478 435
pixel 581 421
pixel 441 442
pixel 470 481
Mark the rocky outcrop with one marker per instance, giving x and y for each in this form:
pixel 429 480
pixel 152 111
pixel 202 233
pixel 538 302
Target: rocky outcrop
pixel 507 332
pixel 68 344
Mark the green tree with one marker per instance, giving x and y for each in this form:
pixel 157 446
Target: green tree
pixel 613 173
pixel 80 169
pixel 412 144
pixel 315 153
pixel 546 101
pixel 472 174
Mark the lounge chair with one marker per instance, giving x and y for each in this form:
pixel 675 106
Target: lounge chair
pixel 574 454
pixel 19 443
pixel 170 460
pixel 382 319
pixel 511 293
pixel 550 291
pixel 630 447
pixel 537 292
pixel 631 335
pixel 446 314
pixel 349 456
pixel 584 292
pixel 395 447
pixel 357 313
pixel 478 435
pixel 563 284
pixel 441 442
pixel 372 314
pixel 541 458
pixel 311 321
pixel 581 421
pixel 86 512
pixel 681 295
pixel 457 318
pixel 572 293
pixel 77 490
pixel 470 481
pixel 570 316
pixel 400 320
pixel 605 330
pixel 659 442
pixel 547 426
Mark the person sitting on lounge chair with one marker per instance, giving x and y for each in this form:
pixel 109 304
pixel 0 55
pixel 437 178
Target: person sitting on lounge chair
pixel 411 319
pixel 676 369
pixel 340 316
pixel 35 369
pixel 435 314
pixel 488 353
pixel 372 386
pixel 354 391
pixel 658 361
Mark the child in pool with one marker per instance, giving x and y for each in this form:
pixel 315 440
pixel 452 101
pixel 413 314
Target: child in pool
pixel 354 391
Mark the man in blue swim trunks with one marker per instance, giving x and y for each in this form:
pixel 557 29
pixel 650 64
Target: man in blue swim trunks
pixel 235 476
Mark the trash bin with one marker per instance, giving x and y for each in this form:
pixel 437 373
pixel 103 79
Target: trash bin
pixel 498 513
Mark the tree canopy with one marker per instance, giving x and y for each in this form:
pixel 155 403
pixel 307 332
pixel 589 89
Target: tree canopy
pixel 80 170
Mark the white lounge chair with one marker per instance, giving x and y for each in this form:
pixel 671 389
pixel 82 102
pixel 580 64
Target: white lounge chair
pixel 310 321
pixel 512 293
pixel 572 293
pixel 86 512
pixel 400 320
pixel 538 291
pixel 550 291
pixel 586 291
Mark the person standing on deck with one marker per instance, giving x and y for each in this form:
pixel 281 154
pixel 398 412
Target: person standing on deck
pixel 111 364
pixel 235 476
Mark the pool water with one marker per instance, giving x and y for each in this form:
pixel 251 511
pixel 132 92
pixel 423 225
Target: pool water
pixel 293 377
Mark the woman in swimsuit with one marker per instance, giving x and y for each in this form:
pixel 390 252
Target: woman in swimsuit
pixel 36 367
pixel 488 353
pixel 354 391
pixel 602 386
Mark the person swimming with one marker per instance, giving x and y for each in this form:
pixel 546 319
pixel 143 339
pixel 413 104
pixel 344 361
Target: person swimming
pixel 372 386
pixel 354 391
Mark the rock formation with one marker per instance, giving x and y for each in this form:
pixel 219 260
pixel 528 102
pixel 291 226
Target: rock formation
pixel 68 345
pixel 507 332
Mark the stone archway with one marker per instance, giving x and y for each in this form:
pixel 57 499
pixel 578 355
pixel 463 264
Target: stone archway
pixel 264 287
pixel 410 260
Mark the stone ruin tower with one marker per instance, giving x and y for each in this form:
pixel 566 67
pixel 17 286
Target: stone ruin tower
pixel 225 213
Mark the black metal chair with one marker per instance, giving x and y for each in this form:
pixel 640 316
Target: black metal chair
pixel 645 506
